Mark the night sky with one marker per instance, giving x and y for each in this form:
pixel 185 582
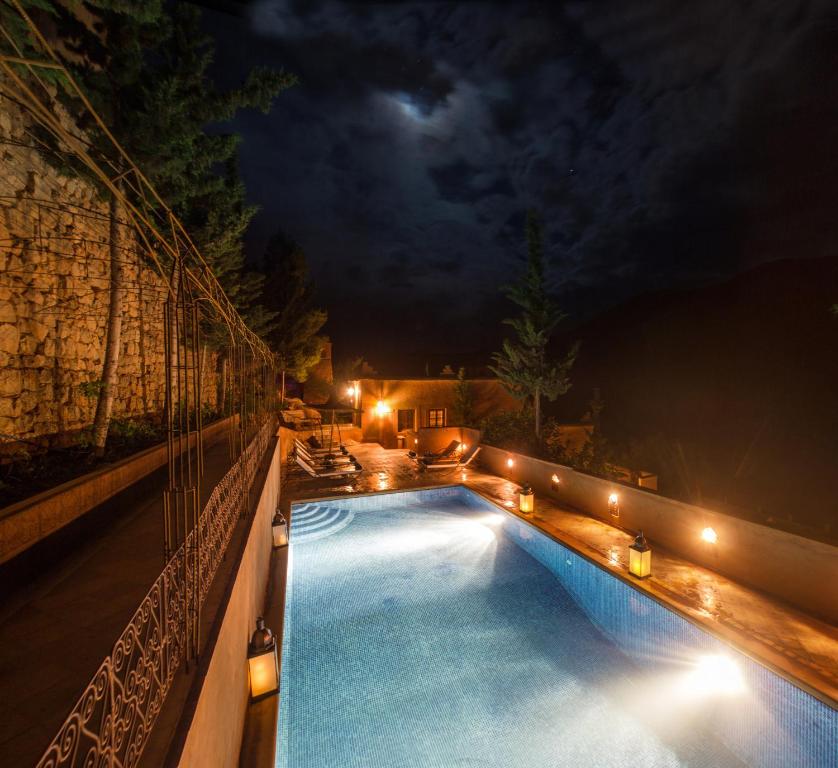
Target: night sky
pixel 667 144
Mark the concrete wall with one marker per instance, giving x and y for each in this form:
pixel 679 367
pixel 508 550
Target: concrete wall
pixel 215 733
pixel 800 571
pixel 420 395
pixel 31 520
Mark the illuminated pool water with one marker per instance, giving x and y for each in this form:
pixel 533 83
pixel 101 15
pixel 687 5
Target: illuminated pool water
pixel 431 629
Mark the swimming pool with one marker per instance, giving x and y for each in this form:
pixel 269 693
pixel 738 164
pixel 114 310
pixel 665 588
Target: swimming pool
pixel 430 628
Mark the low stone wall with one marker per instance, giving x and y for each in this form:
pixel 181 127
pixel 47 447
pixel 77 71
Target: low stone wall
pixel 31 520
pixel 215 732
pixel 800 571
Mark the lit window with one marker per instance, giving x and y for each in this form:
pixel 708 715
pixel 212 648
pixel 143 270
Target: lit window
pixel 436 417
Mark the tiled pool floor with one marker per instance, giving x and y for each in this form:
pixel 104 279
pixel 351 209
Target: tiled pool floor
pixel 423 636
pixel 802 647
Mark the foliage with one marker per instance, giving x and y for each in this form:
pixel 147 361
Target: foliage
pixel 91 389
pixel 295 334
pixel 463 410
pixel 523 365
pixel 511 430
pixel 596 456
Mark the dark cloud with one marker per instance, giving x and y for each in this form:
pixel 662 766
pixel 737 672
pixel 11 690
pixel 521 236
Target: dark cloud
pixel 657 138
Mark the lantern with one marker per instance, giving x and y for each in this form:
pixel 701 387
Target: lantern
pixel 526 499
pixel 709 535
pixel 614 505
pixel 279 528
pixel 640 557
pixel 262 662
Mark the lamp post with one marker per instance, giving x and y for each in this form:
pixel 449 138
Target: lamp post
pixel 640 557
pixel 526 499
pixel 262 662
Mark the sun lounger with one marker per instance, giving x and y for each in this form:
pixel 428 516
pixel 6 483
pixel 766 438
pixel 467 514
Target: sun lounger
pixel 446 453
pixel 324 459
pixel 334 471
pixel 455 461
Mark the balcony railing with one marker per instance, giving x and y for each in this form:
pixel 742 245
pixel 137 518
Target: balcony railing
pixel 111 722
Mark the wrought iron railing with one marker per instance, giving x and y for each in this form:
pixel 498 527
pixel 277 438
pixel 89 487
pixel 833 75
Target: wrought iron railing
pixel 111 722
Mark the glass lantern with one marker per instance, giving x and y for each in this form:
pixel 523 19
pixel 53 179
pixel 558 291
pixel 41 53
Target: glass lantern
pixel 526 499
pixel 262 662
pixel 640 557
pixel 279 528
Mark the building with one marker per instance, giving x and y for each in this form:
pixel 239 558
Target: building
pixel 392 409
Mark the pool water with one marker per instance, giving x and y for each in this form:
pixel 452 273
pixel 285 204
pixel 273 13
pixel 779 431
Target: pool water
pixel 431 629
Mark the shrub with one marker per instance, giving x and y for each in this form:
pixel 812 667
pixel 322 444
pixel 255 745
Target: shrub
pixel 512 431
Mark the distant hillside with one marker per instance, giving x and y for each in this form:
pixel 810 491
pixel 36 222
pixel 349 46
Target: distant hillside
pixel 729 391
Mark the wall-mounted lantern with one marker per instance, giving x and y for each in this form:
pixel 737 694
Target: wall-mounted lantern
pixel 262 662
pixel 510 462
pixel 279 529
pixel 640 557
pixel 554 483
pixel 614 505
pixel 382 409
pixel 526 499
pixel 709 535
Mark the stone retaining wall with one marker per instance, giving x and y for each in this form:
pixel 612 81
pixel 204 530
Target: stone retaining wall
pixel 54 298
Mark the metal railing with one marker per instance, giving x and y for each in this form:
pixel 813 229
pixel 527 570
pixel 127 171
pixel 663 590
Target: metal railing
pixel 112 720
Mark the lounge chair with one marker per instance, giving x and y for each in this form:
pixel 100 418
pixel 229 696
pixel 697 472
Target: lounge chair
pixel 446 453
pixel 333 471
pixel 457 461
pixel 326 459
pixel 320 453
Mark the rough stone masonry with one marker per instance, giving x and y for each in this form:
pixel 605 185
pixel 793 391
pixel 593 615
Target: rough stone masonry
pixel 54 279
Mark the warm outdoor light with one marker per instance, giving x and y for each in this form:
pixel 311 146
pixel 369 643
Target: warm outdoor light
pixel 262 662
pixel 640 557
pixel 510 463
pixel 526 498
pixel 614 505
pixel 554 481
pixel 709 535
pixel 279 528
pixel 381 408
pixel 463 447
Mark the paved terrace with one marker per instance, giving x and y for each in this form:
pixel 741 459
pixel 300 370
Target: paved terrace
pixel 793 644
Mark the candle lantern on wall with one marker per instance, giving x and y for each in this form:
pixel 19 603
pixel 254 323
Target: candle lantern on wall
pixel 262 662
pixel 614 505
pixel 640 557
pixel 526 499
pixel 279 528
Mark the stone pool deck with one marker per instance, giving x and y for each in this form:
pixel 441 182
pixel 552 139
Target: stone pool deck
pixel 793 644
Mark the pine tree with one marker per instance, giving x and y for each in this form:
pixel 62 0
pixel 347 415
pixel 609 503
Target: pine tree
pixel 523 365
pixel 295 337
pixel 144 67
